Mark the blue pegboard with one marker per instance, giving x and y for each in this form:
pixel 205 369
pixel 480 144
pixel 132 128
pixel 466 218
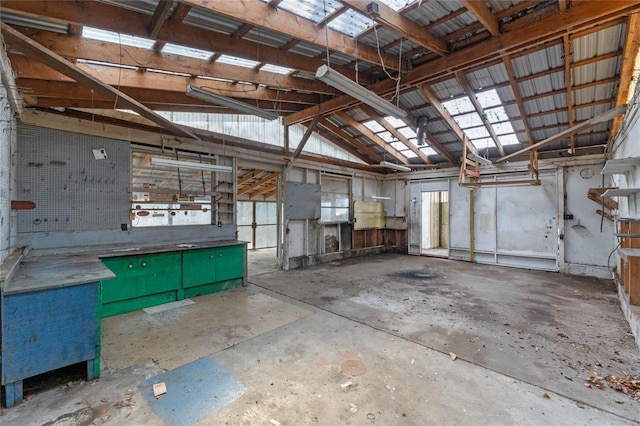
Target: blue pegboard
pixel 194 391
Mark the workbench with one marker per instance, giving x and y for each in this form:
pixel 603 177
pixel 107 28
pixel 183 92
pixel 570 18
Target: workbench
pixel 52 302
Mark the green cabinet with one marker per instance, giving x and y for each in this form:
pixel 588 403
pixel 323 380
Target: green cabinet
pixel 156 278
pixel 141 281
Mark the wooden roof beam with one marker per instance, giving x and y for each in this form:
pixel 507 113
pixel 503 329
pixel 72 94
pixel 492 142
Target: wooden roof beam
pixel 112 18
pixel 159 17
pixel 471 94
pixel 29 47
pixel 480 10
pixel 516 92
pixel 246 178
pixel 265 190
pixel 568 82
pixel 342 134
pixel 250 187
pixel 372 136
pixel 258 13
pixel 550 27
pixel 628 72
pixel 179 13
pixel 395 133
pixel 407 28
pixel 437 104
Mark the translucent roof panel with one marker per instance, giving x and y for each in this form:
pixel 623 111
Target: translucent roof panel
pixel 510 139
pixel 397 4
pixel 488 98
pixel 495 115
pixel 350 23
pixel 374 126
pixel 232 60
pixel 110 36
pixel 468 120
pixel 459 106
pixel 407 132
pixel 276 69
pixel 395 122
pixel 186 51
pixel 387 136
pixel 314 10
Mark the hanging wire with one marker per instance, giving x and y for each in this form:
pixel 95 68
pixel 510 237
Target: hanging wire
pixel 326 32
pixel 204 187
pixel 179 176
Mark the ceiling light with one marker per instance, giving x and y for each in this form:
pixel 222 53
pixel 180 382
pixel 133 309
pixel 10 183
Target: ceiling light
pixel 395 166
pixel 205 95
pixel 189 165
pixel 335 79
pixel 478 159
pixel 379 197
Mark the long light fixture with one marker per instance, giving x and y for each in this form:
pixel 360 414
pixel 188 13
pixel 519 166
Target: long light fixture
pixel 205 95
pixel 335 79
pixel 395 166
pixel 189 165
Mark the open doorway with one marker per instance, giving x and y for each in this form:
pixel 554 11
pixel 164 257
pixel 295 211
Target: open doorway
pixel 435 224
pixel 257 224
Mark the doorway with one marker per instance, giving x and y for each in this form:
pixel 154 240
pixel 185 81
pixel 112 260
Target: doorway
pixel 435 224
pixel 257 224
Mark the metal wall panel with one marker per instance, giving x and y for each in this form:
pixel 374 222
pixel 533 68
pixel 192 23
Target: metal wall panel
pixel 73 190
pixel 302 200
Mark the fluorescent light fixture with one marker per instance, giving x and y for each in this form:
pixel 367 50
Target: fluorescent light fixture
pixel 395 166
pixel 189 165
pixel 477 158
pixel 205 95
pixel 335 79
pixel 379 197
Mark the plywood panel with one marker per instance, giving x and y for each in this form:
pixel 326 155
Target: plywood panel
pixel 368 215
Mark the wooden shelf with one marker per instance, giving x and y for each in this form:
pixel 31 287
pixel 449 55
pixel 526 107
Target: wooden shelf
pixel 623 192
pixel 620 166
pixel 627 253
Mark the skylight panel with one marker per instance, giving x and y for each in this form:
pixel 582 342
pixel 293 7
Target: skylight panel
pixel 477 132
pixel 398 145
pixel 468 120
pixel 408 153
pixel 488 98
pixel 511 139
pixel 395 122
pixel 397 5
pixel 484 143
pixel 428 150
pixel 186 51
pixel 387 137
pixel 495 115
pixel 106 64
pixel 458 105
pixel 277 69
pixel 232 60
pixel 407 132
pixel 374 126
pixel 314 10
pixel 502 128
pixel 111 37
pixel 350 23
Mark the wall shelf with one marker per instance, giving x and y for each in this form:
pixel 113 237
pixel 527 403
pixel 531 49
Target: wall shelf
pixel 620 166
pixel 623 192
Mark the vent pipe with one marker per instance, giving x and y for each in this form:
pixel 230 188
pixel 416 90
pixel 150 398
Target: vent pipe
pixel 421 127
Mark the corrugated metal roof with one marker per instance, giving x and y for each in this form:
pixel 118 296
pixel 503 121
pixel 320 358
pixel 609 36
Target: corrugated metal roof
pixel 598 43
pixel 142 6
pixel 447 89
pixel 307 49
pixel 37 23
pixel 430 11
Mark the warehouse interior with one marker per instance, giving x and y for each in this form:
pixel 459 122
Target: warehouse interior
pixel 319 212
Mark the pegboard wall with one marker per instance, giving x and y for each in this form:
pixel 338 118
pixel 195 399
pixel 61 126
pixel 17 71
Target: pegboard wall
pixel 74 186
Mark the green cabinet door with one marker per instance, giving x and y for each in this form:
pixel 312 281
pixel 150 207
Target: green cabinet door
pixel 123 286
pixel 229 263
pixel 159 272
pixel 198 267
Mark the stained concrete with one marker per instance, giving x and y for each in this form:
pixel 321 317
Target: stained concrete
pixel 525 342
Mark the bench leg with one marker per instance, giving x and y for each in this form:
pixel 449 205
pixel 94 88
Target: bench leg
pixel 13 393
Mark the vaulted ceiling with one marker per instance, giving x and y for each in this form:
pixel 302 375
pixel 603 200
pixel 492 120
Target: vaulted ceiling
pixel 499 75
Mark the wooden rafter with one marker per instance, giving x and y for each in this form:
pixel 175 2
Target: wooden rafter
pixel 112 18
pixel 346 118
pixel 265 190
pixel 631 51
pixel 550 27
pixel 256 12
pixel 246 178
pixel 395 133
pixel 568 82
pixel 437 104
pixel 29 47
pixel 8 79
pixel 179 13
pixel 471 94
pixel 342 134
pixel 341 143
pixel 253 185
pixel 159 16
pixel 516 92
pixel 407 28
pixel 483 14
pixel 570 131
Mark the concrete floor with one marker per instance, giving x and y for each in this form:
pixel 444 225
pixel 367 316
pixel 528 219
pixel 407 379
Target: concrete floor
pixel 365 341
